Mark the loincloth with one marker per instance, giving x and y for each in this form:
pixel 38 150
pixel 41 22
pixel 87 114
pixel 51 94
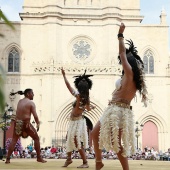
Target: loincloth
pixel 77 128
pixel 115 117
pixel 21 128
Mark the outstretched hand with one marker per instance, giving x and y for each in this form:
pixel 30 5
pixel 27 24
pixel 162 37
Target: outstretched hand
pixel 121 28
pixel 62 71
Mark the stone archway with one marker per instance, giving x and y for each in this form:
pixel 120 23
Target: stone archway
pixel 159 125
pixel 63 120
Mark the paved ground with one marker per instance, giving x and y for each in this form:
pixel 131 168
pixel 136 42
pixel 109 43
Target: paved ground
pixel 31 164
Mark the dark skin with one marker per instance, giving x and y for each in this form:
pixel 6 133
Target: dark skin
pixel 127 85
pixel 25 109
pixel 76 111
pixel 27 106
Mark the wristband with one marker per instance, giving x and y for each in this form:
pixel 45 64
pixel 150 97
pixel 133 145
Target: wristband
pixel 120 35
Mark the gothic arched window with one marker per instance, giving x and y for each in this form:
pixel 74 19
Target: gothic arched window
pixel 13 60
pixel 148 61
pixel 145 61
pixel 151 65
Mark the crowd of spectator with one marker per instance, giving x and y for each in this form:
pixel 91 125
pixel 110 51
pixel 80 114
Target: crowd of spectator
pixel 60 153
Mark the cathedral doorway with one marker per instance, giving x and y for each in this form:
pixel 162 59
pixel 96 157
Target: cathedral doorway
pixel 62 122
pixel 150 136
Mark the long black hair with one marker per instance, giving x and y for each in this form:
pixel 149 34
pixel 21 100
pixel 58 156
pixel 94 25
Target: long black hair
pixel 137 65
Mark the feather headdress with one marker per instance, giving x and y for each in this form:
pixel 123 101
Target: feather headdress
pixel 81 77
pixel 132 51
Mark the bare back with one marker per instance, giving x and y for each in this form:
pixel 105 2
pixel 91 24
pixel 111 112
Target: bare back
pixel 24 109
pixel 77 110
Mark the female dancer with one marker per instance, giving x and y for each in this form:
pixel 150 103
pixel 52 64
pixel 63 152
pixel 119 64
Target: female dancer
pixel 115 130
pixel 77 130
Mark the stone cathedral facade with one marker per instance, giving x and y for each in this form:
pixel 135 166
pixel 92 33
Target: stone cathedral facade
pixel 79 35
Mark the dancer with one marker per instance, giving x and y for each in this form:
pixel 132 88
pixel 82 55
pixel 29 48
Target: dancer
pixel 22 126
pixel 77 137
pixel 115 130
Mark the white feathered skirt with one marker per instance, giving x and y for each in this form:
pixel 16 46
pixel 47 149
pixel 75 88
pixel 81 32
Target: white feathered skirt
pixel 113 119
pixel 77 127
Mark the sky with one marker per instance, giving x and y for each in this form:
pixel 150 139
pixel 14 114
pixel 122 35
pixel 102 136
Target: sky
pixel 150 9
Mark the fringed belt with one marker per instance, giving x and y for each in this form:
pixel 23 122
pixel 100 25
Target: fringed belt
pixel 76 118
pixel 120 104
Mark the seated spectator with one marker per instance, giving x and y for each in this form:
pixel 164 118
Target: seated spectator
pixel 53 151
pixel 33 153
pixel 115 156
pixel 26 152
pixel 30 148
pixel 15 153
pixel 47 152
pixel 109 155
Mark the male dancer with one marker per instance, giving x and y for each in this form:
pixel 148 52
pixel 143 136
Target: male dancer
pixel 22 125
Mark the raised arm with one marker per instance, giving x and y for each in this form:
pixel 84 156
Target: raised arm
pixel 122 50
pixel 66 81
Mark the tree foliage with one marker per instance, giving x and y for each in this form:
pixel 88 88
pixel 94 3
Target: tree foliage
pixel 3 17
pixel 2 97
pixel 2 73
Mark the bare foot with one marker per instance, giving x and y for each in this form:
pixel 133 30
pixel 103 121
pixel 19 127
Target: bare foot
pixel 7 161
pixel 41 160
pixel 67 163
pixel 99 165
pixel 85 165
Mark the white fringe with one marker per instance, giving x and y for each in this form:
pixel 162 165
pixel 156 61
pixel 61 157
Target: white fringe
pixel 77 128
pixel 109 130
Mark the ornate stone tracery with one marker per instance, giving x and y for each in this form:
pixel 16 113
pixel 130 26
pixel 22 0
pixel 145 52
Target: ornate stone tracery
pixel 76 69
